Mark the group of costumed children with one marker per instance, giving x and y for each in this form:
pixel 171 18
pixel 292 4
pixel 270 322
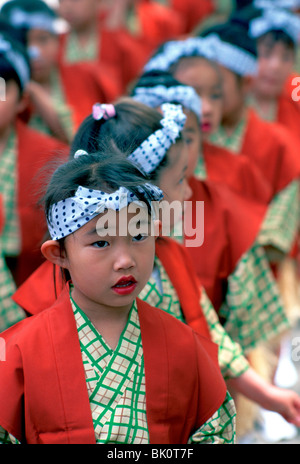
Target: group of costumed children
pixel 114 330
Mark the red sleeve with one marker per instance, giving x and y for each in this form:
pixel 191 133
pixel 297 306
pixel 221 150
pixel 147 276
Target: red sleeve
pixel 11 392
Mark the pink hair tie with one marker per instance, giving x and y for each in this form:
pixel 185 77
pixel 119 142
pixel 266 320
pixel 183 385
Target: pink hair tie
pixel 103 111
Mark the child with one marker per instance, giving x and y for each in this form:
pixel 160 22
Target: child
pixel 276 32
pixel 113 379
pixel 55 106
pixel 173 285
pixel 23 153
pixel 93 38
pixel 205 159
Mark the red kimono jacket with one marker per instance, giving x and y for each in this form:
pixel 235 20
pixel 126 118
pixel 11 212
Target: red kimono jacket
pixel 193 11
pixel 46 284
pixel 125 55
pixel 35 151
pixel 272 148
pixel 237 172
pixel 231 225
pixel 44 395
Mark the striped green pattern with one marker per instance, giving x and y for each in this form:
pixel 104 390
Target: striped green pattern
pixel 253 309
pixel 281 223
pixel 115 381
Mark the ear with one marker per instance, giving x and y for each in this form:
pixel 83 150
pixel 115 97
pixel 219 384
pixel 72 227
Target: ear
pixel 23 103
pixel 52 251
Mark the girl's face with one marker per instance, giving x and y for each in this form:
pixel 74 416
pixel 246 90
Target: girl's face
pixel 173 182
pixel 79 13
pixel 206 80
pixel 193 138
pixel 173 179
pixel 275 65
pixel 108 269
pixel 45 45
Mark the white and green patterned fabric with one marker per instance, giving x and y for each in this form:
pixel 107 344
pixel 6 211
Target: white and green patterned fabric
pixel 74 51
pixel 253 309
pixel 115 381
pixel 281 222
pixel 231 360
pixel 10 241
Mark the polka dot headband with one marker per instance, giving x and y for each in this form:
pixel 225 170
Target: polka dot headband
pixel 159 94
pixel 210 47
pixel 153 150
pixel 276 19
pixel 71 214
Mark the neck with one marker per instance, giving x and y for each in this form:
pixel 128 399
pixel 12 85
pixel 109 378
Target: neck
pixel 87 30
pixel 109 321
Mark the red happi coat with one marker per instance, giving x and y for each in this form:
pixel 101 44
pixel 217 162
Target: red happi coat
pixel 193 11
pixel 45 398
pixel 272 148
pixel 231 225
pixel 237 172
pixel 46 284
pixel 34 152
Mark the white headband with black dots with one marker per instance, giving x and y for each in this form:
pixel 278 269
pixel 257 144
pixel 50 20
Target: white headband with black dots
pixel 276 19
pixel 29 20
pixel 288 4
pixel 153 150
pixel 71 214
pixel 211 47
pixel 159 94
pixel 16 60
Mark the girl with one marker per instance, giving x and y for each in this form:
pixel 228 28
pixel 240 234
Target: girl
pixel 205 160
pixel 122 378
pixel 275 33
pixel 23 153
pixel 90 39
pixel 173 285
pixel 54 104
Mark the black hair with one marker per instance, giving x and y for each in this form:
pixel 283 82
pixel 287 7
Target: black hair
pixel 106 173
pixel 234 33
pixel 7 69
pixel 154 78
pixel 244 17
pixel 133 123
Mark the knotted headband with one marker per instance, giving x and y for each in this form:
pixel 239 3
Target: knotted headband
pixel 70 214
pixel 276 19
pixel 157 95
pixel 153 150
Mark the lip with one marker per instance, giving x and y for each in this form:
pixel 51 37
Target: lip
pixel 206 127
pixel 125 285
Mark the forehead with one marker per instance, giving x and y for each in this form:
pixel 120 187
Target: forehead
pixel 117 223
pixel 198 72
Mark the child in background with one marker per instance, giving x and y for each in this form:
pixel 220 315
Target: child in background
pixel 92 40
pixel 55 107
pixel 23 153
pixel 123 380
pixel 206 161
pixel 173 286
pixel 276 34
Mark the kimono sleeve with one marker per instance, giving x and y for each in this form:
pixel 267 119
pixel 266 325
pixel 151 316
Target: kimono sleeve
pixel 12 391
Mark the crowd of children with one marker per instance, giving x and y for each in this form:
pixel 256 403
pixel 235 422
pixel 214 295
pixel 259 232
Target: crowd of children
pixel 149 219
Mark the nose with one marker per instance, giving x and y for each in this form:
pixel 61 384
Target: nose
pixel 206 106
pixel 123 258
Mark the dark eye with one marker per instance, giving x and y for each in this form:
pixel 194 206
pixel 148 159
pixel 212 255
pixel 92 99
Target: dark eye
pixel 139 237
pixel 100 244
